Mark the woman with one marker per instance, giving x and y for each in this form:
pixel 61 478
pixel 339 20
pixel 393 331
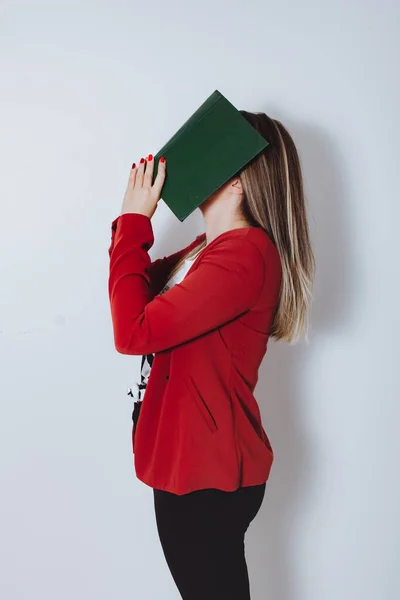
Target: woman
pixel 201 319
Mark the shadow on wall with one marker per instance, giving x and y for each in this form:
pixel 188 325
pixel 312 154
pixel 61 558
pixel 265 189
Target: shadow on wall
pixel 284 376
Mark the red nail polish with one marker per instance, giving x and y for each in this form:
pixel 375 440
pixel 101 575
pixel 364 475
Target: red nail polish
pixel 150 157
pixel 142 160
pixel 162 159
pixel 134 165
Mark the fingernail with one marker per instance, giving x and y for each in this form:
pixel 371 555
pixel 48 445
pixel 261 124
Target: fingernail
pixel 142 160
pixel 134 165
pixel 162 159
pixel 150 157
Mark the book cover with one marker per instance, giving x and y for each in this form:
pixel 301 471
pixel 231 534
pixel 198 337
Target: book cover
pixel 208 149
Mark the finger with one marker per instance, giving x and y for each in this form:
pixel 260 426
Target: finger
pixel 132 176
pixel 159 180
pixel 140 173
pixel 148 174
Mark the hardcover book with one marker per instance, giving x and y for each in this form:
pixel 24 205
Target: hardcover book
pixel 208 149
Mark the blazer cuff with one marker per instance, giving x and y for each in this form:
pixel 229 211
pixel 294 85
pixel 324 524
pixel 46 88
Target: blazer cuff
pixel 136 226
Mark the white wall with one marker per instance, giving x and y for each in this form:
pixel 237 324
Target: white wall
pixel 88 87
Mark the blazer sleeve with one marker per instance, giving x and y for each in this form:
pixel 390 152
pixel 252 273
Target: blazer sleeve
pixel 159 269
pixel 226 283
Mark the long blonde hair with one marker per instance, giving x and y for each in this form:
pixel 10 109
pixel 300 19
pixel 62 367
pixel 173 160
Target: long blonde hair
pixel 274 199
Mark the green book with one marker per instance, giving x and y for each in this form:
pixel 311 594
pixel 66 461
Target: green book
pixel 210 148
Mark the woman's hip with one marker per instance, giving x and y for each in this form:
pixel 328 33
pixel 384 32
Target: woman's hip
pixel 210 508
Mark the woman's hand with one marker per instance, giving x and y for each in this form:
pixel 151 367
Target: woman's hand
pixel 141 196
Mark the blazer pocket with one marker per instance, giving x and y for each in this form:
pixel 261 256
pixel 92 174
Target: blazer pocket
pixel 201 405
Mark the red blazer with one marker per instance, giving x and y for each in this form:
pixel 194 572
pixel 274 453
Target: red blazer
pixel 200 424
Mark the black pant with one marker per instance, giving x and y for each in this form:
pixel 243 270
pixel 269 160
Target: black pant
pixel 202 536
